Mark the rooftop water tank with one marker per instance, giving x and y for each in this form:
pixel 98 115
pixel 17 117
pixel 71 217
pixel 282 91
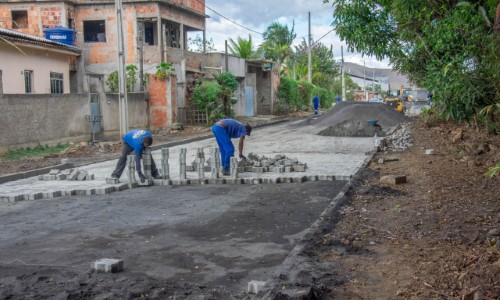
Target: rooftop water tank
pixel 60 34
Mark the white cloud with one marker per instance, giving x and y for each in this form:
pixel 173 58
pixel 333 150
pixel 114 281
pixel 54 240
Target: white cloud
pixel 258 14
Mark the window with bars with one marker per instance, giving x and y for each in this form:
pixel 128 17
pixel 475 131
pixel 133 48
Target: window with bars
pixel 28 81
pixel 56 83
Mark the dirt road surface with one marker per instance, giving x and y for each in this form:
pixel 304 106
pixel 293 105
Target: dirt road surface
pixel 187 242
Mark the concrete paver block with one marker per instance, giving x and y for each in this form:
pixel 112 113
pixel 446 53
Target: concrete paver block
pixel 61 176
pixel 90 192
pixel 82 175
pixel 74 175
pixel 54 172
pixel 121 187
pixel 429 151
pixel 146 182
pixel 299 168
pixel 13 199
pixel 112 180
pixel 393 179
pixel 255 286
pixel 35 196
pixel 132 185
pixel 108 265
pixel 105 190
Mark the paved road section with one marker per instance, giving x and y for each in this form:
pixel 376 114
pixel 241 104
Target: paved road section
pixel 327 158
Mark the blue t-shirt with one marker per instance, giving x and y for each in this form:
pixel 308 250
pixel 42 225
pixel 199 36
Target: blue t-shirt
pixel 234 128
pixel 316 100
pixel 134 138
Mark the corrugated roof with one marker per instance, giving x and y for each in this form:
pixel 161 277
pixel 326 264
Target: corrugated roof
pixel 26 38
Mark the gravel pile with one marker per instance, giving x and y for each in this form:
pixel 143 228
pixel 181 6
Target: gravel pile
pixel 400 139
pixel 351 119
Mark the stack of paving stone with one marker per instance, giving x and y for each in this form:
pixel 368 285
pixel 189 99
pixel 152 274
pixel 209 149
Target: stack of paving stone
pixel 278 164
pixel 69 174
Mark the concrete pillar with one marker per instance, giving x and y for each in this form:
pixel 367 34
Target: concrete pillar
pixel 181 37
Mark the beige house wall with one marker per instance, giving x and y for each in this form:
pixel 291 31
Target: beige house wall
pixel 40 61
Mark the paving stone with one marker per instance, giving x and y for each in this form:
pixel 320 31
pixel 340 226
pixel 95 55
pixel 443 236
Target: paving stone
pixel 429 151
pixel 288 169
pixel 247 181
pixel 61 176
pixel 82 175
pixel 74 175
pixel 257 181
pixel 35 196
pixel 4 199
pixel 234 181
pixel 299 168
pixel 258 169
pixel 248 169
pixel 255 286
pixel 64 161
pixel 112 180
pixel 80 192
pixel 393 179
pixel 132 185
pixel 182 182
pixel 17 198
pixel 381 161
pixel 108 265
pixel 121 187
pixel 105 190
pixel 312 178
pixel 147 182
pixel 90 192
pixel 54 172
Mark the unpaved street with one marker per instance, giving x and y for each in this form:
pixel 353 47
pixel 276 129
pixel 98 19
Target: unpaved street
pixel 191 242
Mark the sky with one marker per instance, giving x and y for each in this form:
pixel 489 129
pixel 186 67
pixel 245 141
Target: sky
pixel 258 14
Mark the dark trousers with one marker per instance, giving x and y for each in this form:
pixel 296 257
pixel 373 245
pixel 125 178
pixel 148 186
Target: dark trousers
pixel 122 162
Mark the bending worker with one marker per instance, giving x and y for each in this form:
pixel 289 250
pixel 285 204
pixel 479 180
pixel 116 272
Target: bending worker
pixel 224 130
pixel 135 141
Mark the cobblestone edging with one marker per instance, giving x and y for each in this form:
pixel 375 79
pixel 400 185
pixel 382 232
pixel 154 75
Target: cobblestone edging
pixel 160 182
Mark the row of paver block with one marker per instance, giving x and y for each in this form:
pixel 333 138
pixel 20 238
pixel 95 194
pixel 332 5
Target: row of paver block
pixel 160 182
pixel 69 174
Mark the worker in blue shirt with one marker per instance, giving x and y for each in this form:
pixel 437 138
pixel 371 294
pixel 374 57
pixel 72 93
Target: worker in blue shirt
pixel 225 130
pixel 316 104
pixel 136 141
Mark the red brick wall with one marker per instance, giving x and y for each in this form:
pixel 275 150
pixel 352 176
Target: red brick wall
pixel 158 102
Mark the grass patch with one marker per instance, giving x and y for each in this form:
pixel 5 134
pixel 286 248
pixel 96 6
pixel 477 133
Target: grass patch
pixel 34 152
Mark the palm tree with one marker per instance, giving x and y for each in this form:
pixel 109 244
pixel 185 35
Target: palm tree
pixel 242 47
pixel 277 44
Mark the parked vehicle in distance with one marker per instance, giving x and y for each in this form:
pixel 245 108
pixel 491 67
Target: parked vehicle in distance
pixel 416 106
pixel 376 100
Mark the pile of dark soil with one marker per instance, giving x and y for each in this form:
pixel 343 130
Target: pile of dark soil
pixel 352 128
pixel 351 119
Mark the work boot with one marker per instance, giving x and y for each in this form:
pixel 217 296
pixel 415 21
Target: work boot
pixel 115 177
pixel 226 172
pixel 157 176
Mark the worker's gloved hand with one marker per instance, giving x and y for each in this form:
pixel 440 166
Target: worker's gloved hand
pixel 142 178
pixel 242 157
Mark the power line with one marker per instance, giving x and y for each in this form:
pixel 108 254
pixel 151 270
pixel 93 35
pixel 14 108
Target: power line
pixel 222 16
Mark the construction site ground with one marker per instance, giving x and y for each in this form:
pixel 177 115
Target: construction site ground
pixel 434 237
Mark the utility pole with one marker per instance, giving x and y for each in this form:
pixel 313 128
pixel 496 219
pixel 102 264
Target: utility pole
pixel 309 55
pixel 343 72
pixel 122 91
pixel 140 47
pixel 364 79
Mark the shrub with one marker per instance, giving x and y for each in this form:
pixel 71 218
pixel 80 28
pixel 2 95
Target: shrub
pixel 206 96
pixel 288 95
pixel 112 82
pixel 305 94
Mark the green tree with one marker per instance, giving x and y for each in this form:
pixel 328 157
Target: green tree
pixel 445 46
pixel 324 69
pixel 350 87
pixel 196 44
pixel 277 44
pixel 242 47
pixel 228 85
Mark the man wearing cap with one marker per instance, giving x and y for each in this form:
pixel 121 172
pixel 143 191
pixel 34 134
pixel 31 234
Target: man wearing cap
pixel 225 130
